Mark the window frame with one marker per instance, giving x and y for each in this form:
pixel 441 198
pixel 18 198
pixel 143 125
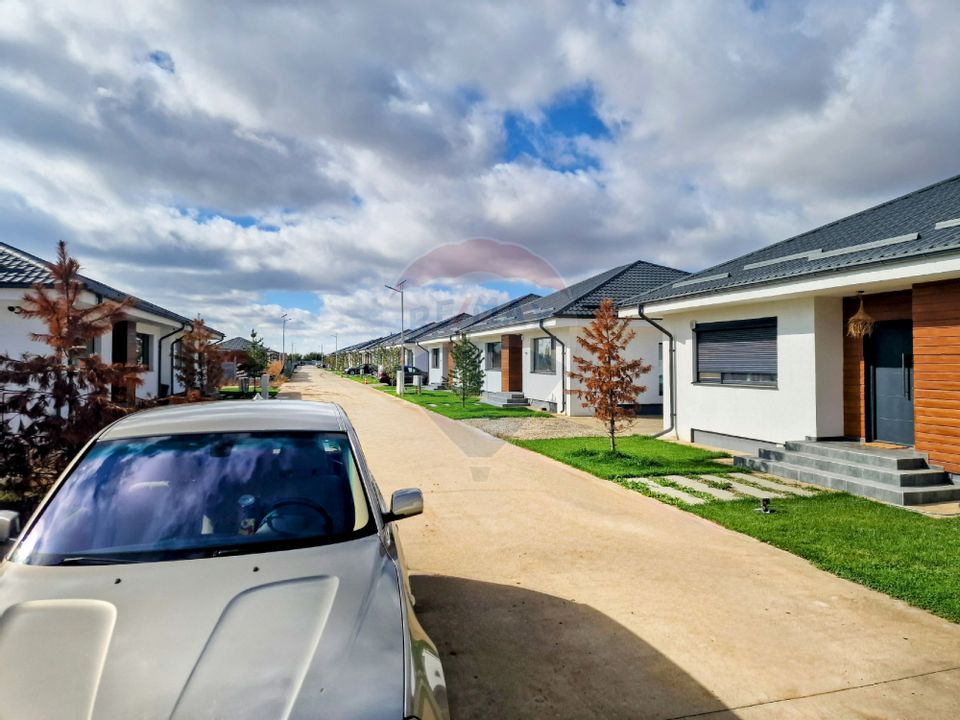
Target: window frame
pixel 489 354
pixel 434 358
pixel 534 354
pixel 738 377
pixel 145 350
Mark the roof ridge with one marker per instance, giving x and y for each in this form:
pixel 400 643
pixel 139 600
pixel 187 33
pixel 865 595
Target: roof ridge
pixel 615 272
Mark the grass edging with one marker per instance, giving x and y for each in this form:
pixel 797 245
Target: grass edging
pixel 892 550
pixel 901 553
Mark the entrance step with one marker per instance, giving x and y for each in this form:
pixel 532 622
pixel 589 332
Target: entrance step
pixel 504 399
pixel 844 462
pixel 860 454
pixel 879 490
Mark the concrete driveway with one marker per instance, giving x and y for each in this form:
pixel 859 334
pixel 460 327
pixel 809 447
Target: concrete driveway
pixel 553 594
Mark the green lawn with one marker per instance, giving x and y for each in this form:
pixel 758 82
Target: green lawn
pixel 896 551
pixel 448 404
pixel 636 456
pixel 232 392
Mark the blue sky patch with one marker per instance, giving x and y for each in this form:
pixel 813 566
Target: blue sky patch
pixel 205 215
pixel 293 299
pixel 552 138
pixel 162 60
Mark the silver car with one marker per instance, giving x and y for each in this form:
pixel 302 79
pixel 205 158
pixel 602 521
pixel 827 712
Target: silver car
pixel 220 560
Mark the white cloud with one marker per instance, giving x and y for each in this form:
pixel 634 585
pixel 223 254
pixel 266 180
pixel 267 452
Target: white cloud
pixel 361 136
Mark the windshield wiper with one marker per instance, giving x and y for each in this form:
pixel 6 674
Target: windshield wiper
pixel 96 560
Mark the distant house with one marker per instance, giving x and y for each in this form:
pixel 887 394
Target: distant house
pixel 764 357
pixel 438 341
pixel 236 353
pixel 146 337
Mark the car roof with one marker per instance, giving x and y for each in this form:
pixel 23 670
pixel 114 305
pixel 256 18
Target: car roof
pixel 231 416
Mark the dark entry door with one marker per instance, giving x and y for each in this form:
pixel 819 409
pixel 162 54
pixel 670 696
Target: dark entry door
pixel 891 380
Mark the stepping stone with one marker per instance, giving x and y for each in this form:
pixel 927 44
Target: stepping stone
pixel 743 489
pixel 669 491
pixel 702 487
pixel 778 487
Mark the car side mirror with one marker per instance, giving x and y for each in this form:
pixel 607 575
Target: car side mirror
pixel 405 503
pixel 9 525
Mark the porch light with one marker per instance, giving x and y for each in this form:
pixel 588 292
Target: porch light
pixel 861 324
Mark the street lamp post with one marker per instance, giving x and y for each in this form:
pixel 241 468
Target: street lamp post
pixel 336 358
pixel 283 338
pixel 403 350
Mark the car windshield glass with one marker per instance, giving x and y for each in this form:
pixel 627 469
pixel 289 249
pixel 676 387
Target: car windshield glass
pixel 185 496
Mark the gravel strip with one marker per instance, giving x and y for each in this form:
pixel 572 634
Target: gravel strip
pixel 534 428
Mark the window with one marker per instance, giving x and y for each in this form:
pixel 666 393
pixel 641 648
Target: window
pixel 435 357
pixel 199 495
pixel 543 358
pixel 493 356
pixel 144 350
pixel 743 352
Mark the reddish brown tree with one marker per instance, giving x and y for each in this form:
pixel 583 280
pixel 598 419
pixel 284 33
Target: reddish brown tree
pixel 51 405
pixel 201 362
pixel 609 380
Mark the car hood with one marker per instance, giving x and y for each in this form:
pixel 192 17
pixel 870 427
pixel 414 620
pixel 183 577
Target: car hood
pixel 315 633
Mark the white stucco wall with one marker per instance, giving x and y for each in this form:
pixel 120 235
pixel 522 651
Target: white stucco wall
pixel 15 338
pixel 438 374
pixel 808 398
pixel 554 387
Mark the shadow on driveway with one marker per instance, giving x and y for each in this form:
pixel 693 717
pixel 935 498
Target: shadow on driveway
pixel 514 653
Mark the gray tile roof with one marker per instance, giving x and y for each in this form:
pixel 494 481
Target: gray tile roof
pixel 582 299
pixel 496 314
pixel 913 226
pixel 238 344
pixel 20 269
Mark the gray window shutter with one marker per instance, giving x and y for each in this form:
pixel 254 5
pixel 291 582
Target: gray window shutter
pixel 743 346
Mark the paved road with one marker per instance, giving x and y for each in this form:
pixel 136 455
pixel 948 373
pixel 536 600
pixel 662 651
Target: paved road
pixel 552 594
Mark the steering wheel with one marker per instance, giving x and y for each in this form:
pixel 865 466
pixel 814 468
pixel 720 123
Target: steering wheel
pixel 272 514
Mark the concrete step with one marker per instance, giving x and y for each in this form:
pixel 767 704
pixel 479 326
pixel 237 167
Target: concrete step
pixel 743 489
pixel 775 486
pixel 945 492
pixel 702 487
pixel 504 399
pixel 914 477
pixel 669 491
pixel 857 453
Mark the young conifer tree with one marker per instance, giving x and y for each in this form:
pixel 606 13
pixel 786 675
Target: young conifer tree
pixel 52 404
pixel 466 375
pixel 201 362
pixel 609 380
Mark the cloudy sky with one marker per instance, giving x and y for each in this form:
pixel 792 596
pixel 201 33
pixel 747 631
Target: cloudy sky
pixel 245 159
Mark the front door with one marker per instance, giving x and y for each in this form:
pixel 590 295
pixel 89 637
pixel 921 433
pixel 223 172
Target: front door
pixel 890 375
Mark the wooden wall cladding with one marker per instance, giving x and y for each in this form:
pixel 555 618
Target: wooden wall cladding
pixel 882 306
pixel 936 372
pixel 511 363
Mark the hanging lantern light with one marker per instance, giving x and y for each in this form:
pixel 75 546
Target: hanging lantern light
pixel 860 324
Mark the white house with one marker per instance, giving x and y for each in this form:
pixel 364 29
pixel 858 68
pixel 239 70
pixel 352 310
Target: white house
pixel 529 345
pixel 764 358
pixel 439 340
pixel 147 336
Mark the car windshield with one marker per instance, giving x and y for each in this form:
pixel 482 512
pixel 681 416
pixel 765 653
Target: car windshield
pixel 188 496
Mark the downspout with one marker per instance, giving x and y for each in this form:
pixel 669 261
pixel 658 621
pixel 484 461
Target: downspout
pixel 563 366
pixel 160 356
pixel 672 360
